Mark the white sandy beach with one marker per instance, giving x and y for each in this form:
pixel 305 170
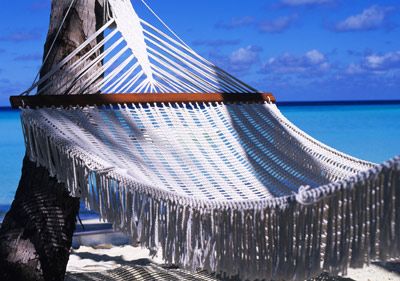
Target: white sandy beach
pixel 125 263
pixel 108 262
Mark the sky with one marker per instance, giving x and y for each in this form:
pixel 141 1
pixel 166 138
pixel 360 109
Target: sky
pixel 300 50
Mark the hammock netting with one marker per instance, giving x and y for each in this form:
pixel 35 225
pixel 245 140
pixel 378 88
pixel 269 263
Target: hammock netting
pixel 233 188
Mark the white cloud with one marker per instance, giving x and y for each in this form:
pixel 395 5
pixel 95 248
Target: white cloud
pixel 386 61
pixel 240 60
pixel 371 18
pixel 309 63
pixel 376 64
pixel 236 23
pixel 216 43
pixel 315 57
pixel 244 58
pixel 21 36
pixel 354 69
pixel 305 2
pixel 277 25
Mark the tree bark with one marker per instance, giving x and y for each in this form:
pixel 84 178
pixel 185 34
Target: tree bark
pixel 36 234
pixel 84 18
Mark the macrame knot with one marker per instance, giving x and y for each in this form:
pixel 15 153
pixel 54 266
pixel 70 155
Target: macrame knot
pixel 303 195
pixel 103 171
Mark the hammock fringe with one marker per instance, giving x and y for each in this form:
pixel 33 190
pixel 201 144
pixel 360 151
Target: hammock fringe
pixel 347 223
pixel 254 236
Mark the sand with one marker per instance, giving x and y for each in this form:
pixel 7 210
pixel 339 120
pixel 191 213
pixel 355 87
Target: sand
pixel 99 253
pixel 132 263
pixel 376 272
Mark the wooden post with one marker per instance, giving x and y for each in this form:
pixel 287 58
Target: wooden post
pixel 36 234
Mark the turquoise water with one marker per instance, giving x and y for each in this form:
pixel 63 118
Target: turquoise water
pixel 370 132
pixel 11 154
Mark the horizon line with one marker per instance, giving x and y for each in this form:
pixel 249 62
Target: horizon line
pixel 309 103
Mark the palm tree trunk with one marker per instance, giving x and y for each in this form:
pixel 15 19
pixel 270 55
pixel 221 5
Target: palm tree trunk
pixel 36 234
pixel 83 20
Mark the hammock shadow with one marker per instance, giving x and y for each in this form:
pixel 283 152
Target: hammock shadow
pixel 276 157
pixel 117 259
pixel 389 266
pixel 138 270
pixel 146 270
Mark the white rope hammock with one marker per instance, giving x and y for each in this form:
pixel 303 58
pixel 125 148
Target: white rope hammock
pixel 233 188
pixel 138 58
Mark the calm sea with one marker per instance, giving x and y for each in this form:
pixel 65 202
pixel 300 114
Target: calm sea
pixel 370 132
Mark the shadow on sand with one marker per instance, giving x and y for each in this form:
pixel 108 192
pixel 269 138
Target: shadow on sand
pixel 146 270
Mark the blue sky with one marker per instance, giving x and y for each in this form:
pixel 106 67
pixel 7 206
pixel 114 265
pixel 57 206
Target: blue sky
pixel 298 49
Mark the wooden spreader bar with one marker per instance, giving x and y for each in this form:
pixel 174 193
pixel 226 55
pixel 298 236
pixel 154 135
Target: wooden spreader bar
pixel 113 99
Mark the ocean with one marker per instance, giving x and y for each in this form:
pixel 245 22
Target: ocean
pixel 370 132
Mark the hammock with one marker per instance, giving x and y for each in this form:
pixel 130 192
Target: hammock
pixel 220 181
